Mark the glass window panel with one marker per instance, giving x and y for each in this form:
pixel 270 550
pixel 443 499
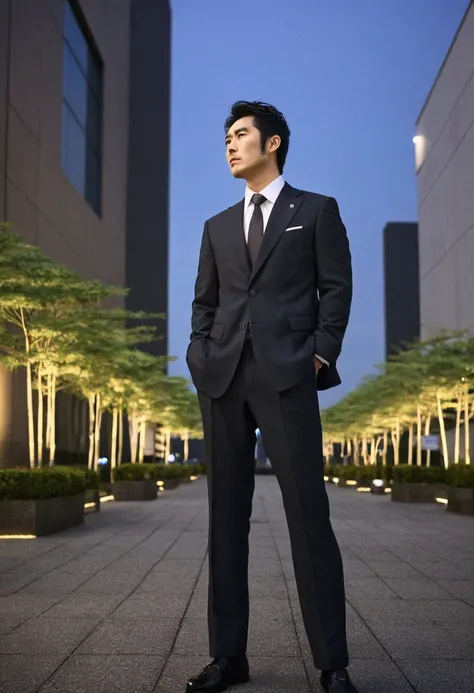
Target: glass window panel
pixel 93 180
pixel 75 37
pixel 74 155
pixel 74 86
pixel 94 124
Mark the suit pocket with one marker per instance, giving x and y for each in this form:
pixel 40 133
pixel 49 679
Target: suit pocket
pixel 217 331
pixel 302 322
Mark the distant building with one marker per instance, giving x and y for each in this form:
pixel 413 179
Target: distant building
pixel 401 285
pixel 84 152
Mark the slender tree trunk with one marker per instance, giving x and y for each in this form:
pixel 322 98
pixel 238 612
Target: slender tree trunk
pixel 40 419
pixel 467 453
pixel 167 445
pixel 29 393
pixel 410 444
pixel 98 422
pixel 442 429
pixel 385 447
pixel 113 442
pixel 141 449
pixel 133 437
pixel 120 435
pixel 364 450
pixel 52 442
pixel 457 431
pixel 47 441
pixel 427 432
pixel 419 423
pixel 349 447
pixel 356 450
pixel 90 462
pixel 186 446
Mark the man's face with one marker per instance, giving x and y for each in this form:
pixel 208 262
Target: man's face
pixel 244 148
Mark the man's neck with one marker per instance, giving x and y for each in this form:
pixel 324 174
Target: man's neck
pixel 261 180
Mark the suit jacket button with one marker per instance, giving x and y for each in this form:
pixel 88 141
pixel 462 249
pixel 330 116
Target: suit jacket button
pixel 252 293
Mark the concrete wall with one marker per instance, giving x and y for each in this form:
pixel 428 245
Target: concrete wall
pixel 35 195
pixel 445 160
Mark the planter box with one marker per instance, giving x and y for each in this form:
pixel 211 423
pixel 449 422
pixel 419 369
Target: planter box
pixel 417 492
pixel 92 497
pixel 142 490
pixel 170 484
pixel 41 516
pixel 461 500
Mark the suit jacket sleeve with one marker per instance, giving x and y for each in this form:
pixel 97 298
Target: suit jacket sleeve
pixel 206 290
pixel 333 260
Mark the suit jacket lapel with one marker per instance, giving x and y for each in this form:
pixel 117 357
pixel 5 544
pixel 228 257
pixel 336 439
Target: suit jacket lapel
pixel 237 236
pixel 284 209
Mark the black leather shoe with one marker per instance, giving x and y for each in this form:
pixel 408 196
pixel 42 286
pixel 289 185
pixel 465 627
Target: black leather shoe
pixel 219 675
pixel 337 682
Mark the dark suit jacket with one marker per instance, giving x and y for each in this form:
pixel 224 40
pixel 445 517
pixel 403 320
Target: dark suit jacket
pixel 295 301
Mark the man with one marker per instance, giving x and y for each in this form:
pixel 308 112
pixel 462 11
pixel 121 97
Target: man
pixel 272 301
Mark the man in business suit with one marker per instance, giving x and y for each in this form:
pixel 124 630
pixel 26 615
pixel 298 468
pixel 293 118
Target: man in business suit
pixel 272 302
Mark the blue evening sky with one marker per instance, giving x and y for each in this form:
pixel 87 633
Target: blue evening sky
pixel 351 77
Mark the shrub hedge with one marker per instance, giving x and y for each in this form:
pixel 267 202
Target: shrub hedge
pixel 407 473
pixel 461 476
pixel 47 482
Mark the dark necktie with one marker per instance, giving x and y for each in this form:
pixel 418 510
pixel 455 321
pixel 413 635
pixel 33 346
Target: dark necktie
pixel 256 227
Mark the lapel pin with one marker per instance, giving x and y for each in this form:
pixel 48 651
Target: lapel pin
pixel 292 206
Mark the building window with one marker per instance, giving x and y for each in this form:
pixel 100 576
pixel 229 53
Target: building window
pixel 82 111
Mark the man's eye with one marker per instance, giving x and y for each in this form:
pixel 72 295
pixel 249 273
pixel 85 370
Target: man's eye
pixel 241 134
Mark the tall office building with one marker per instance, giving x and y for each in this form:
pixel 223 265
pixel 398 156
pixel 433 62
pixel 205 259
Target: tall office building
pixel 444 150
pixel 84 151
pixel 401 285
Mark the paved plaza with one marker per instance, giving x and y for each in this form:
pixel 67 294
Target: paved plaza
pixel 118 604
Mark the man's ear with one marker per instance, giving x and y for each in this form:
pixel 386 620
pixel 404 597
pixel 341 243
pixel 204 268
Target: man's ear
pixel 273 143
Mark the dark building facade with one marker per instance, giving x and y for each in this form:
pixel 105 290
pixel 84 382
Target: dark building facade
pixel 84 160
pixel 401 284
pixel 147 183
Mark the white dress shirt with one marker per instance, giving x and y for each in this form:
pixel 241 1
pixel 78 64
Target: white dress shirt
pixel 271 192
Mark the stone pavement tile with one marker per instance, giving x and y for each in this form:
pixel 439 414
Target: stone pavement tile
pixel 166 584
pixel 403 641
pixel 151 605
pixel 441 570
pixel 43 636
pixel 122 636
pixel 271 638
pixel 197 607
pixel 462 589
pixel 431 676
pixel 26 605
pixel 356 569
pixel 453 611
pixel 84 606
pixel 266 567
pixel 262 586
pixel 418 588
pixel 10 583
pixel 55 583
pixel 109 582
pixel 267 674
pixel 86 564
pixel 369 677
pixel 393 569
pixel 8 623
pixel 385 610
pixel 25 673
pixel 369 588
pixel 177 566
pixel 7 564
pixel 127 674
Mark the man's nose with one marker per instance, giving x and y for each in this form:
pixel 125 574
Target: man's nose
pixel 231 149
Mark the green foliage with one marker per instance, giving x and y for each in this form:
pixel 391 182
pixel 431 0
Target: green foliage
pixel 40 483
pixel 134 472
pixel 407 473
pixel 461 476
pixel 91 476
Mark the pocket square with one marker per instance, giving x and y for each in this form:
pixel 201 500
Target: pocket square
pixel 293 228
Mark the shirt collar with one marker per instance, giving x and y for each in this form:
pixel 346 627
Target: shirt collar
pixel 271 192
